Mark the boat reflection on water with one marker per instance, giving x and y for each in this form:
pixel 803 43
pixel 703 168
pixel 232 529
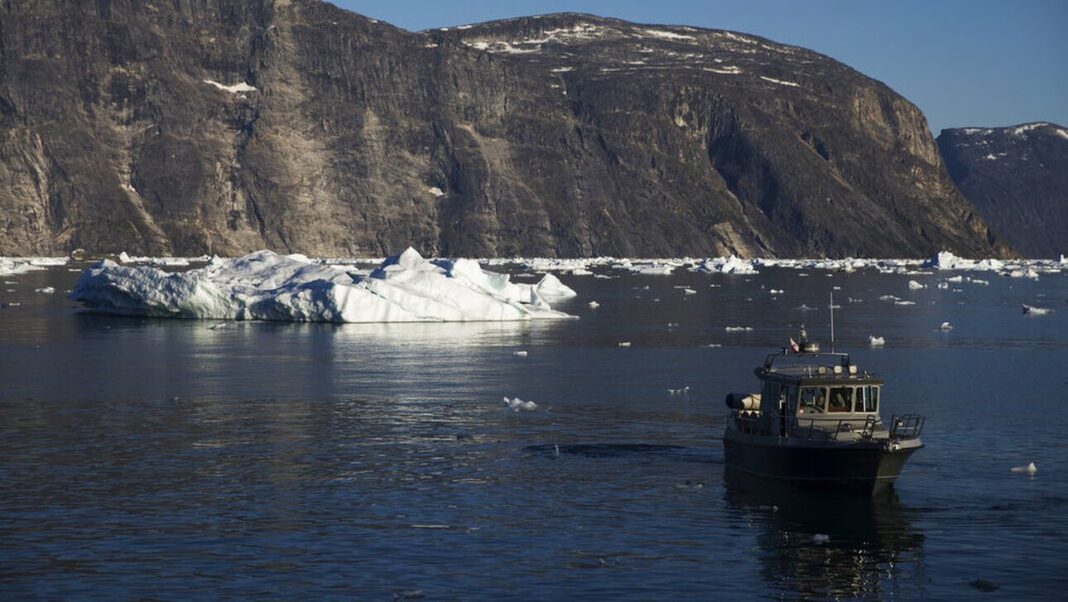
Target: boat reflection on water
pixel 829 544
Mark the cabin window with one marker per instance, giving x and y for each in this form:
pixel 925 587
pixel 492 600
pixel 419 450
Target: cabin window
pixel 813 400
pixel 841 399
pixel 870 401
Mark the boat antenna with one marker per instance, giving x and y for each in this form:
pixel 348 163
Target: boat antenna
pixel 832 321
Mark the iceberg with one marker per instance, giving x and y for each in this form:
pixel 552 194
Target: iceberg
pixel 726 265
pixel 267 286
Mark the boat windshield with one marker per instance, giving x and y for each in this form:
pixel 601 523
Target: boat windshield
pixel 840 399
pixel 813 400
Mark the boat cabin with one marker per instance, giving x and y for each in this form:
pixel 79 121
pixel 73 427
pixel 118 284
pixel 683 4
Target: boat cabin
pixel 811 395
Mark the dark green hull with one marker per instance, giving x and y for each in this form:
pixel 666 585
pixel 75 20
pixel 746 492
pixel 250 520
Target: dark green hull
pixel 860 467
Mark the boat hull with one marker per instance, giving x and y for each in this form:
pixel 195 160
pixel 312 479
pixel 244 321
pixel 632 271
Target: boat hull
pixel 866 467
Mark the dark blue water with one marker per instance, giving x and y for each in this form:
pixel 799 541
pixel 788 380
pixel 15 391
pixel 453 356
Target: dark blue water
pixel 168 459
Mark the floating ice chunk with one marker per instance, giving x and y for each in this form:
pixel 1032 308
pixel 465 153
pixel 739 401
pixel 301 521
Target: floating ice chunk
pixel 268 286
pixel 726 265
pixel 689 291
pixel 804 307
pixel 1029 469
pixel 10 266
pixel 979 282
pixel 594 305
pixel 517 404
pixel 1035 311
pixel 624 343
pixel 943 285
pixel 519 353
pixel 820 538
pixel 955 279
pixel 48 290
pixel 904 303
pixel 775 291
pixel 915 286
pixel 874 341
pixel 739 328
pixel 946 326
pixel 889 298
pixel 550 287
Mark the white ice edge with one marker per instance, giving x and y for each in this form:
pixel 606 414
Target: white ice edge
pixel 945 261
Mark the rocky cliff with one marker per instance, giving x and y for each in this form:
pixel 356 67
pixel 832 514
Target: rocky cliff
pixel 1017 177
pixel 188 127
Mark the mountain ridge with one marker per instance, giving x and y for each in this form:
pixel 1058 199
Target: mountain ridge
pixel 1017 177
pixel 123 130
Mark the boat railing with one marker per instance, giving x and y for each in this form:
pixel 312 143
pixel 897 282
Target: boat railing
pixel 747 422
pixel 821 428
pixel 907 426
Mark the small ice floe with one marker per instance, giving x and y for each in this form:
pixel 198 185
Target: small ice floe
pixel 889 298
pixel 915 286
pixel 943 285
pixel 904 303
pixel 219 325
pixel 955 279
pixel 672 325
pixel 689 291
pixel 624 343
pixel 874 341
pixel 594 305
pixel 519 353
pixel 682 391
pixel 1035 311
pixel 1029 469
pixel 820 538
pixel 979 282
pixel 739 328
pixel 775 291
pixel 516 404
pixel 804 307
pixel 946 326
pixel 48 290
pixel 713 345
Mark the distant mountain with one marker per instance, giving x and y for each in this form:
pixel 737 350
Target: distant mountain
pixel 191 127
pixel 1017 177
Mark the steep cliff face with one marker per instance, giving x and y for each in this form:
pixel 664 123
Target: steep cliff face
pixel 1017 177
pixel 193 127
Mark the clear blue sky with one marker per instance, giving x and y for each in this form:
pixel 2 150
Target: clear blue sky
pixel 963 62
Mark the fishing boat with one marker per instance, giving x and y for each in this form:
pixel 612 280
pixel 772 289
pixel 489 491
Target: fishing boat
pixel 816 422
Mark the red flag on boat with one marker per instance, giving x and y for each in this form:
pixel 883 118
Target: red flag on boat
pixel 793 346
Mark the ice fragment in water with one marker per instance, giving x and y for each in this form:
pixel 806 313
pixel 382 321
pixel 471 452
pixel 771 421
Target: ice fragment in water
pixel 1035 311
pixel 946 326
pixel 1029 469
pixel 519 353
pixel 875 341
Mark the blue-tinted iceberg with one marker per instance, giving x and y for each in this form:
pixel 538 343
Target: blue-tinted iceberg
pixel 268 286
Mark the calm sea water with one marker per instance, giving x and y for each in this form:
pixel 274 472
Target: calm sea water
pixel 177 459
